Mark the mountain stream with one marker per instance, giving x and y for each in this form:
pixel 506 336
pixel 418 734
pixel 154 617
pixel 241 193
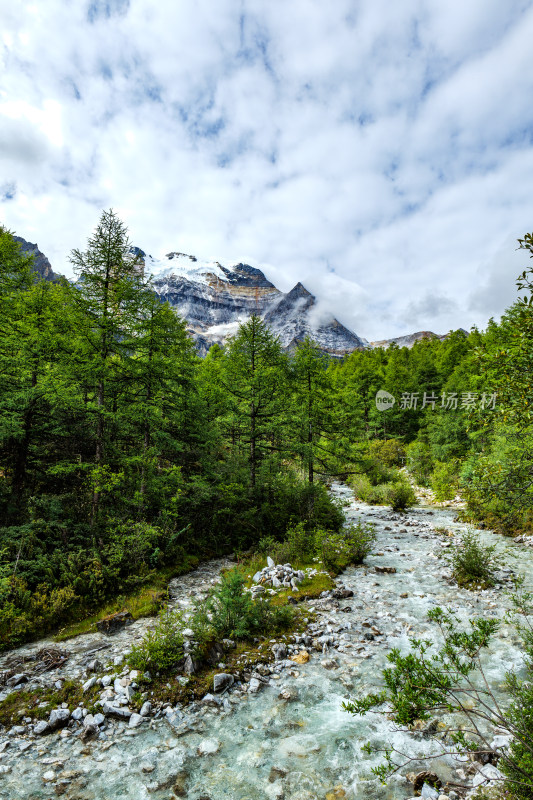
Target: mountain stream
pixel 291 739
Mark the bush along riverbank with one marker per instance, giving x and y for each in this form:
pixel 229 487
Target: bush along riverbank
pixel 260 713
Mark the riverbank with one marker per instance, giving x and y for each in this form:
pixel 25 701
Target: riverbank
pixel 279 729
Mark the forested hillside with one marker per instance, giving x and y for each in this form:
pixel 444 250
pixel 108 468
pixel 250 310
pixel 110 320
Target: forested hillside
pixel 124 456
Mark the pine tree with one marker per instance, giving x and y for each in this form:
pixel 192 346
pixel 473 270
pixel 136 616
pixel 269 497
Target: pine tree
pixel 108 294
pixel 255 377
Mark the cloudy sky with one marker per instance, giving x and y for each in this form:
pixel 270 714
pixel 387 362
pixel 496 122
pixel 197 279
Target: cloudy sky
pixel 380 152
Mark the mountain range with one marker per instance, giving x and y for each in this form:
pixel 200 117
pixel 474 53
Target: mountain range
pixel 215 298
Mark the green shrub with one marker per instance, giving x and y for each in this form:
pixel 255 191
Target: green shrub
pixel 444 480
pixel 419 461
pixel 230 612
pixel 400 495
pixel 350 546
pixel 389 451
pixel 162 647
pixel 297 547
pixel 472 561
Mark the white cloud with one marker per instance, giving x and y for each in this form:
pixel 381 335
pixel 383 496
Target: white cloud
pixel 380 153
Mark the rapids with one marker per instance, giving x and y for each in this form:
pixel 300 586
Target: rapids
pixel 296 744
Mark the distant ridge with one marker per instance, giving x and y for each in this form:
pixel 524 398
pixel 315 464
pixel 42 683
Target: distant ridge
pixel 409 339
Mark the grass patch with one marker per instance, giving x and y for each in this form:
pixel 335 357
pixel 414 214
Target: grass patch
pixel 38 703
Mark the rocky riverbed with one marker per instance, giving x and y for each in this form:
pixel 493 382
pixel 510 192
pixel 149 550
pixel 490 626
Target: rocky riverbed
pixel 281 731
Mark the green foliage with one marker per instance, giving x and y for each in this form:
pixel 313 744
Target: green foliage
pixel 420 461
pixel 444 675
pixel 230 612
pixel 162 647
pixel 401 495
pixel 444 480
pixel 350 546
pixel 398 494
pixel 390 452
pixel 473 563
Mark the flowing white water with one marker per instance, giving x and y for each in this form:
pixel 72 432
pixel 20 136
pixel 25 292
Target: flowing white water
pixel 300 748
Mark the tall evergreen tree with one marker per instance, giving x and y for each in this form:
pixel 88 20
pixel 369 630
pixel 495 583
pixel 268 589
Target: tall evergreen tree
pixel 108 294
pixel 255 377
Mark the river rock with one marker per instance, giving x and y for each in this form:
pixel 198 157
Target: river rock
pixel 146 709
pixel 279 650
pixel 18 679
pixel 89 684
pixel 41 728
pixel 486 775
pixel 254 686
pixel 300 658
pixel 342 593
pixel 58 718
pixel 114 622
pixel 116 711
pixel 222 680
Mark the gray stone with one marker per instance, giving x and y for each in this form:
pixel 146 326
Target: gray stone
pixel 16 680
pixel 41 727
pixel 270 562
pixel 59 717
pixel 89 684
pixel 222 680
pixel 77 714
pixel 280 651
pixel 114 622
pixel 254 686
pixel 190 665
pixel 135 720
pixel 429 793
pixel 116 711
pixel 99 719
pixel 211 700
pixel 106 680
pixel 257 577
pixel 486 775
pixel 146 709
pixel 95 666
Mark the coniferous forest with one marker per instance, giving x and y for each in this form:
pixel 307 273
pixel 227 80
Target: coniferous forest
pixel 125 458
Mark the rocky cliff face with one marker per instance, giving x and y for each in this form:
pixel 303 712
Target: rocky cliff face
pixel 216 298
pixel 40 261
